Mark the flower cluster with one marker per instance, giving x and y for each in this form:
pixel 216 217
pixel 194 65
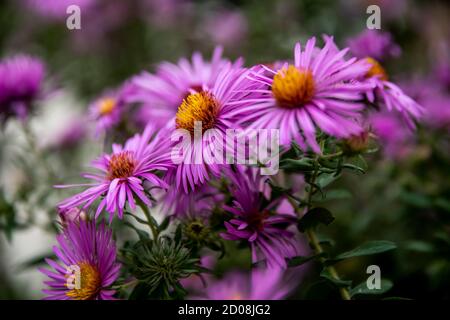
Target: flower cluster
pixel 321 99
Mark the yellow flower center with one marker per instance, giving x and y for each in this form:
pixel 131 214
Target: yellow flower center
pixel 121 165
pixel 293 87
pixel 376 70
pixel 90 283
pixel 106 106
pixel 200 106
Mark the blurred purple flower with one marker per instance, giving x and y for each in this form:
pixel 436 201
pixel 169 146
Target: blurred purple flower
pixel 393 134
pixel 107 110
pixel 375 44
pixel 72 215
pixel 260 284
pixel 73 133
pixel 434 99
pixel 442 74
pixel 21 81
pixel 165 13
pixel 57 9
pixel 389 95
pixel 227 28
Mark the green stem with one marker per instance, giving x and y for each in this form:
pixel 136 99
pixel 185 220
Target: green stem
pixel 311 234
pixel 332 155
pixel 147 214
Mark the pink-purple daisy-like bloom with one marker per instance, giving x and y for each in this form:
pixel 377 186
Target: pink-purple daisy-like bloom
pixel 373 43
pixel 256 222
pixel 260 284
pixel 161 94
pixel 72 135
pixel 430 93
pixel 86 252
pixel 21 81
pixel 107 110
pixel 200 126
pixel 389 96
pixel 57 9
pixel 227 27
pixel 318 90
pixel 72 215
pixel 196 204
pixel 393 133
pixel 123 174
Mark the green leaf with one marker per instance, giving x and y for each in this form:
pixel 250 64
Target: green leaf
pixel 299 260
pixel 314 217
pixel 416 199
pixel 301 165
pixel 164 224
pixel 338 194
pixel 353 167
pixel 442 203
pixel 338 282
pixel 368 248
pixel 141 234
pixel 178 234
pixel 325 179
pixel 36 261
pixel 419 246
pixel 362 289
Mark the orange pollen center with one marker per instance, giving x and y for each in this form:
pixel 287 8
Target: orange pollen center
pixel 293 87
pixel 106 106
pixel 376 70
pixel 89 283
pixel 201 106
pixel 121 165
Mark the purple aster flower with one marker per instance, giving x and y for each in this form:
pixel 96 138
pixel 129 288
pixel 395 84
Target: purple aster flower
pixel 87 252
pixel 21 80
pixel 72 215
pixel 318 90
pixel 196 282
pixel 72 134
pixel 373 43
pixel 256 222
pixel 390 96
pixel 197 203
pixel 442 74
pixel 437 111
pixel 107 111
pixel 431 94
pixel 227 28
pixel 216 109
pixel 260 284
pixel 393 133
pixel 162 93
pixel 165 13
pixel 122 175
pixel 57 9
